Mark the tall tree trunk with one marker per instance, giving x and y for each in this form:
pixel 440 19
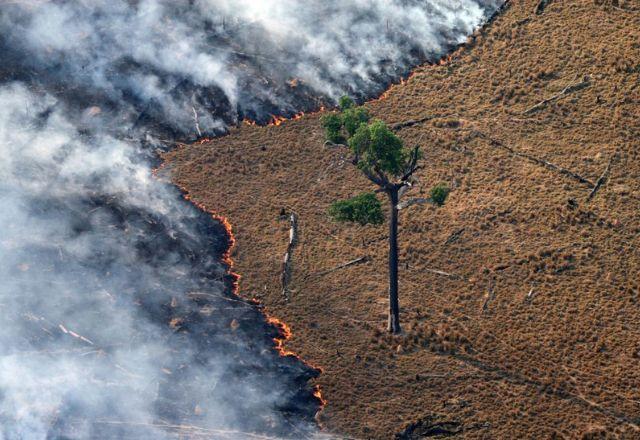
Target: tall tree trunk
pixel 394 308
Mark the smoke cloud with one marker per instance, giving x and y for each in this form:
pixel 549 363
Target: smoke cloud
pixel 118 318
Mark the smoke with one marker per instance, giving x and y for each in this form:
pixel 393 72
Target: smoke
pixel 162 66
pixel 117 314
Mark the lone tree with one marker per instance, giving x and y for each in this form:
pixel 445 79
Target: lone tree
pixel 383 159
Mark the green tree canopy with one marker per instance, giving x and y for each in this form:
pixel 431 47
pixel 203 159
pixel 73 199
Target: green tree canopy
pixel 380 151
pixel 341 126
pixel 364 209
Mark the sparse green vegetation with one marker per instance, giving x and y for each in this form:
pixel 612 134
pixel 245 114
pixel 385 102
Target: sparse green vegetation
pixel 439 194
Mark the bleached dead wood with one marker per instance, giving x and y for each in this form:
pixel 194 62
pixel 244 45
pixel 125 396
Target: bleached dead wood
pixel 286 263
pixel 443 273
pixel 196 120
pixel 488 297
pixel 530 295
pixel 603 177
pixel 567 90
pixel 74 334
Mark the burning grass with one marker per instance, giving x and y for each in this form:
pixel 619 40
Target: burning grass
pixel 520 295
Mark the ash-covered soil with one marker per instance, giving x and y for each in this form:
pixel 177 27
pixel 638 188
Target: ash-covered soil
pixel 520 296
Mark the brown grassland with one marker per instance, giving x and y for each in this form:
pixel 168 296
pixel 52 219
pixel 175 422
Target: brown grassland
pixel 520 298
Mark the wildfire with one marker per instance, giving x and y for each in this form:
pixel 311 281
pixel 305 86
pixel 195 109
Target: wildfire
pixel 317 392
pixel 277 120
pixel 284 331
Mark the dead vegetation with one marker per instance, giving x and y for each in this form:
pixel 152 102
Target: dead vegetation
pixel 521 294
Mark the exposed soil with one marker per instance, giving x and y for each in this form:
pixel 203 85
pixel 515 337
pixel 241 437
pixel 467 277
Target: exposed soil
pixel 536 331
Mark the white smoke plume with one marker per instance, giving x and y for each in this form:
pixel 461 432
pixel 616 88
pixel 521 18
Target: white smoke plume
pixel 153 62
pixel 117 314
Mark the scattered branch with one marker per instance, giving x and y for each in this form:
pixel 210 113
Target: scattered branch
pixel 453 276
pixel 568 89
pixel 340 266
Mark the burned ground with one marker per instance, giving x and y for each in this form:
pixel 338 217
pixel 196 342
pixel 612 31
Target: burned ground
pixel 520 296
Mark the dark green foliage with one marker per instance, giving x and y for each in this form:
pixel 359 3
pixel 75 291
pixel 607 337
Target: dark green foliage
pixel 352 118
pixel 341 126
pixel 364 209
pixel 439 194
pixel 332 124
pixel 379 149
pixel 345 103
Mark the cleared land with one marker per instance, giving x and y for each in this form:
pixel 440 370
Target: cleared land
pixel 535 332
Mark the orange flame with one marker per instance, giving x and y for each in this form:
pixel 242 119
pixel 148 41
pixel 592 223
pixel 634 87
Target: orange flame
pixel 317 392
pixel 277 120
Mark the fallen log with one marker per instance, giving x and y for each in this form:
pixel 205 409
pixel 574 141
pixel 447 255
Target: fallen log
pixel 410 123
pixel 542 162
pixel 586 82
pixel 286 263
pixel 603 177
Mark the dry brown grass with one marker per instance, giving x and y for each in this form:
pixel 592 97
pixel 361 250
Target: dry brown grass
pixel 562 362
